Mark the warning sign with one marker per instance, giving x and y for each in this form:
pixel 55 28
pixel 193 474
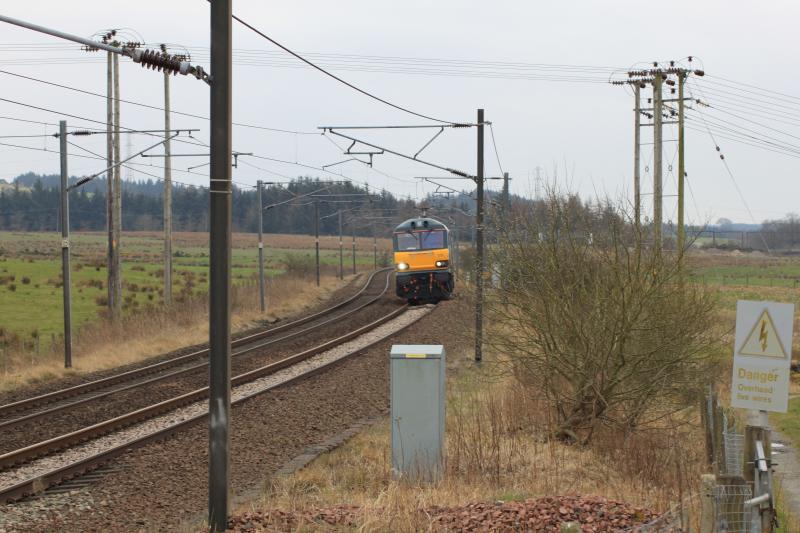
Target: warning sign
pixel 763 340
pixel 762 355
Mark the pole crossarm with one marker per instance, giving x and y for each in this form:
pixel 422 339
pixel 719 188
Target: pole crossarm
pixel 147 58
pixel 87 179
pixel 398 154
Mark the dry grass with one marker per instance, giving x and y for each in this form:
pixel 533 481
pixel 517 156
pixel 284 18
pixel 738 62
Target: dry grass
pixel 154 331
pixel 495 451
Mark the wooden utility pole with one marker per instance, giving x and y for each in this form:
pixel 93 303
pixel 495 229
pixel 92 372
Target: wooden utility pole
pixel 65 270
pixel 658 109
pixel 479 246
pixel 110 214
pixel 117 265
pixel 316 235
pixel 374 249
pixel 637 145
pixel 352 222
pixel 681 166
pixel 168 194
pixel 341 248
pixel 261 282
pixel 506 199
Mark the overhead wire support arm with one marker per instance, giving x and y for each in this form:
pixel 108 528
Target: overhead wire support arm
pixel 82 133
pixel 87 179
pixel 397 127
pixel 398 154
pixel 441 130
pixel 369 163
pixel 298 197
pixel 147 58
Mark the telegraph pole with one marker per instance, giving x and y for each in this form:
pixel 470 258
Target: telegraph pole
pixel 168 196
pixel 681 166
pixel 354 247
pixel 117 312
pixel 219 405
pixel 65 271
pixel 316 235
pixel 506 198
pixel 110 215
pixel 341 248
pixel 658 109
pixel 479 246
pixel 261 284
pixel 637 145
pixel 374 249
pixel 454 246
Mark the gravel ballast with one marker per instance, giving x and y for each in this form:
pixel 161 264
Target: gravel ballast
pixel 117 404
pixel 165 483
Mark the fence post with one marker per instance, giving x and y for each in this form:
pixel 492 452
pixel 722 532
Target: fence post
pixel 757 433
pixel 706 416
pixel 707 503
pixel 721 462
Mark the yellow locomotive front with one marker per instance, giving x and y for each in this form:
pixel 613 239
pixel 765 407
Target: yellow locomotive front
pixel 422 260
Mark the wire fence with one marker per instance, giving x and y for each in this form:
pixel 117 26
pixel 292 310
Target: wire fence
pixel 732 516
pixel 734 453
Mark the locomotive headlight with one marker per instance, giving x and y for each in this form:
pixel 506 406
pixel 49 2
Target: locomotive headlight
pixel 442 264
pixel 402 266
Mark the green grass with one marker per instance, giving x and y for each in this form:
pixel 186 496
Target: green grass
pixel 35 308
pixel 788 423
pixel 773 273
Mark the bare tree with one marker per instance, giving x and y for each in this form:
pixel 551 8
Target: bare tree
pixel 593 323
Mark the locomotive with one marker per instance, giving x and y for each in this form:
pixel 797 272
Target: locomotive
pixel 422 260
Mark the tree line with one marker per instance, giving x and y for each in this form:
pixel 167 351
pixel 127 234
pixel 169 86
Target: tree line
pixel 32 203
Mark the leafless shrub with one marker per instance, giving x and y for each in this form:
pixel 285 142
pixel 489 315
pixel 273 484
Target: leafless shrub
pixel 598 326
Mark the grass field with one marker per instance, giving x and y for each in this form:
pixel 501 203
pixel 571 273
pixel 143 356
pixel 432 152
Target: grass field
pixel 739 269
pixel 30 272
pixel 492 455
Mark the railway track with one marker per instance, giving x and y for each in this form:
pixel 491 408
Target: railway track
pixel 289 370
pixel 29 409
pixel 176 386
pixel 20 488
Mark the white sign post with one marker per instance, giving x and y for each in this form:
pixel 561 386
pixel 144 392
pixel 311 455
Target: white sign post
pixel 762 356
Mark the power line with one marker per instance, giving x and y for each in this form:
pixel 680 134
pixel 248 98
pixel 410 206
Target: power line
pixel 733 179
pixel 337 78
pixel 769 104
pixel 793 97
pixel 148 106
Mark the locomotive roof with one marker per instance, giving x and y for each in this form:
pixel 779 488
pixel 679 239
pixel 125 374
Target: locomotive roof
pixel 420 223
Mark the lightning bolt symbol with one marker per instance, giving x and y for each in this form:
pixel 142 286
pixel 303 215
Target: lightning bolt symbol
pixel 763 335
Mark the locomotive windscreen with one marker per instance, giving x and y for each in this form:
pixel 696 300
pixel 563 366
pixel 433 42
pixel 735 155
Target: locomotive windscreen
pixel 420 240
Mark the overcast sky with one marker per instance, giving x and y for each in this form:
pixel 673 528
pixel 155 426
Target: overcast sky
pixel 579 132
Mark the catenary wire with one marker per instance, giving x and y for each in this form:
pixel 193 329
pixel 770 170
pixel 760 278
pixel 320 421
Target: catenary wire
pixel 337 78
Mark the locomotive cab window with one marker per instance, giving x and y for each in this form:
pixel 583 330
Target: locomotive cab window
pixel 420 240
